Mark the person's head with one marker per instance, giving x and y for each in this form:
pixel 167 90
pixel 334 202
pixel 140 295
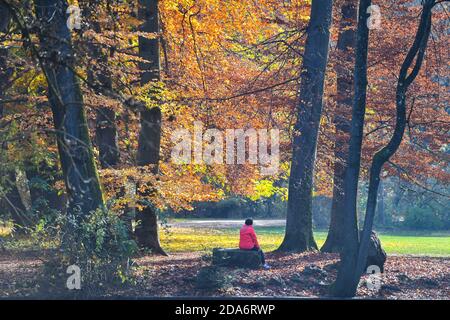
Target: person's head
pixel 249 222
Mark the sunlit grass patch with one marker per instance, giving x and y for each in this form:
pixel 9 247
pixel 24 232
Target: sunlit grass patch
pixel 5 229
pixel 417 245
pixel 205 239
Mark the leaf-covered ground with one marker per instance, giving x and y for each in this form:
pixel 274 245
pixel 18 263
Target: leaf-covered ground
pixel 296 275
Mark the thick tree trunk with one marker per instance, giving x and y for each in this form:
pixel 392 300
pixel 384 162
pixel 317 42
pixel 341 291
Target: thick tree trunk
pixel 342 119
pixel 80 173
pixel 299 233
pixel 147 231
pixel 343 286
pixel 38 184
pixel 150 135
pixel 413 59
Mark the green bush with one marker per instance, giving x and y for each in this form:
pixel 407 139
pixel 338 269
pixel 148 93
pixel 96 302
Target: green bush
pixel 99 245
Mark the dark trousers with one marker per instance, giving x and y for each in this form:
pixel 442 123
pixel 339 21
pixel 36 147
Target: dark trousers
pixel 261 253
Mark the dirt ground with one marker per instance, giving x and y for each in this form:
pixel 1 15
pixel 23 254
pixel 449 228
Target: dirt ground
pixel 295 275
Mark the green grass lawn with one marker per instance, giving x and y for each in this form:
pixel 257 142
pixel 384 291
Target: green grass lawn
pixel 204 239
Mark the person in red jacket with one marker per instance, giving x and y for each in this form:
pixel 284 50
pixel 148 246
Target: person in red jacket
pixel 249 241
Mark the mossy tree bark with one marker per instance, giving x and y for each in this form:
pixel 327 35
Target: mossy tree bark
pixel 84 193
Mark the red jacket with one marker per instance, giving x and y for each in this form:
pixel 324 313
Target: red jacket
pixel 248 238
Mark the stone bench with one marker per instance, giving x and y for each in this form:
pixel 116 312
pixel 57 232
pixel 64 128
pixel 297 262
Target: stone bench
pixel 236 258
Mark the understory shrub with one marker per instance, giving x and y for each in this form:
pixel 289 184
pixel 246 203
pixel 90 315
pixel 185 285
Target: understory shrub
pixel 99 245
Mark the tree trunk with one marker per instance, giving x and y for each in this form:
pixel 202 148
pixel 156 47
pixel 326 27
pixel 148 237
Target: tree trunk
pixel 5 17
pixel 99 77
pixel 150 135
pixel 413 59
pixel 299 234
pixel 269 206
pixel 398 195
pixel 380 206
pixel 80 173
pixel 342 287
pixel 105 126
pixel 107 137
pixel 13 204
pixel 342 119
